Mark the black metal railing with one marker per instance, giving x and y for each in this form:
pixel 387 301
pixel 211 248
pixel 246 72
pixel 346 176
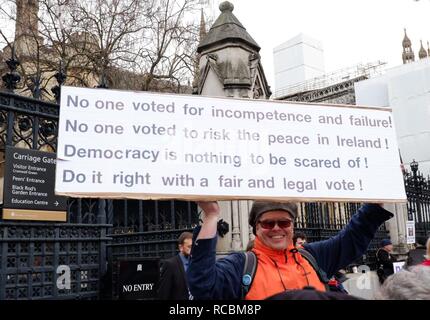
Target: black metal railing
pixel 418 193
pixel 320 221
pixel 145 229
pixel 31 252
pixel 97 231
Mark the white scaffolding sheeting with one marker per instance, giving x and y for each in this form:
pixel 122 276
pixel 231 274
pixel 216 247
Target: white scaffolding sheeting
pixel 368 70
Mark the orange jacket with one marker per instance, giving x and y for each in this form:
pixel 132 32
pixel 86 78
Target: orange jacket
pixel 278 271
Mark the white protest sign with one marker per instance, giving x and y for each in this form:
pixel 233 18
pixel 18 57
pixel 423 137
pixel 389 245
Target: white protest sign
pixel 398 266
pixel 410 232
pixel 141 145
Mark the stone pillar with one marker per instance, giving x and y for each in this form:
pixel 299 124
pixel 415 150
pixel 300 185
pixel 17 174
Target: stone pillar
pixel 235 213
pixel 397 226
pixel 224 243
pixel 236 241
pixel 246 231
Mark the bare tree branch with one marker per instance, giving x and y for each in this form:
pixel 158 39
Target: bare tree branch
pixel 135 44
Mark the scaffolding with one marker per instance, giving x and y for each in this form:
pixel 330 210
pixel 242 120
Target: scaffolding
pixel 367 70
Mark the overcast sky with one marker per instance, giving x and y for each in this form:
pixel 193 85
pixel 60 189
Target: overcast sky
pixel 351 31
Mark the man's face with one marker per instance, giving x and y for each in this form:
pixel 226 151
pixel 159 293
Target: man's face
pixel 278 238
pixel 389 247
pixel 300 242
pixel 185 248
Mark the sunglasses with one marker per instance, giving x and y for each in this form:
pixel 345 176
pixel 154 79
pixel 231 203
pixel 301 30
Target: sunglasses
pixel 270 224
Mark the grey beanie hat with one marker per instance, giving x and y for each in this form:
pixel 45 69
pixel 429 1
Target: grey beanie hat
pixel 260 207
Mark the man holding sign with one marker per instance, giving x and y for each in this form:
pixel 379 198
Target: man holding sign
pixel 140 145
pixel 280 266
pixel 160 146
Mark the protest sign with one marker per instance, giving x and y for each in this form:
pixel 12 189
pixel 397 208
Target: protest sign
pixel 410 232
pixel 398 266
pixel 121 144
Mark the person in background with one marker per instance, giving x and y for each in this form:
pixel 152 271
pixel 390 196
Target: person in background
pixel 407 284
pixel 416 256
pixel 385 260
pixel 299 239
pixel 427 256
pixel 173 283
pixel 312 294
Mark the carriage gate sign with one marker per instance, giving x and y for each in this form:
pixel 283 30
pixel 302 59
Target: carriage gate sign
pixel 142 145
pixel 29 186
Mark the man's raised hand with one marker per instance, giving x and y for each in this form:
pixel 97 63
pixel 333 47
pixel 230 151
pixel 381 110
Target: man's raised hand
pixel 210 208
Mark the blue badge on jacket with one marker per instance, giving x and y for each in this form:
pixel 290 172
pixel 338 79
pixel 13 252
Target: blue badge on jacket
pixel 246 279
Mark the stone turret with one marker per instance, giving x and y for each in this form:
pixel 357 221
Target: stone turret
pixel 408 55
pixel 229 60
pixel 27 38
pixel 422 54
pixel 202 31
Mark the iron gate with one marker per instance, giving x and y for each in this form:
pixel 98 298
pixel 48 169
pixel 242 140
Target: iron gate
pixel 418 192
pixel 144 229
pixel 30 252
pixel 92 239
